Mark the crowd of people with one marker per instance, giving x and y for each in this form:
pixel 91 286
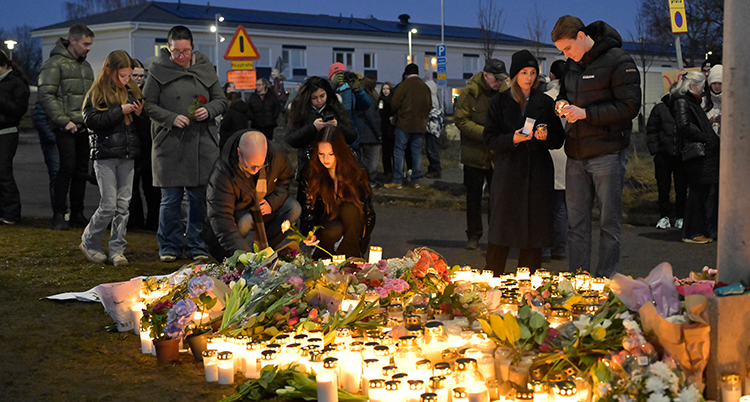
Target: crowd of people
pixel 214 180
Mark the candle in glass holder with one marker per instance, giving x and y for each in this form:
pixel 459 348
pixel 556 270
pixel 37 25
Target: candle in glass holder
pixel 393 391
pixel 145 336
pixel 209 365
pixel 557 316
pixel 523 273
pixel 376 393
pixel 524 395
pixel 597 284
pixel 459 394
pixel 137 310
pixel 370 371
pixel 478 392
pixel 541 390
pixel 414 391
pixel 338 259
pixel 731 388
pixel 565 391
pixel 376 254
pixel 268 357
pixel 327 391
pixel 326 261
pixel 428 397
pixel 330 365
pixel 226 367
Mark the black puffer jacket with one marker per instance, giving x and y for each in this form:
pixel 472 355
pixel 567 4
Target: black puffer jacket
pixel 368 124
pixel 606 83
pixel 693 125
pixel 661 134
pixel 14 99
pixel 109 136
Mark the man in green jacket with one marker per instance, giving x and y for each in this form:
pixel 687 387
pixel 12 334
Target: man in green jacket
pixel 470 112
pixel 63 82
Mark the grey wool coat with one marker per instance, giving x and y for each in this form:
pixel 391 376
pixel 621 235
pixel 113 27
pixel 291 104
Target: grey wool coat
pixel 183 157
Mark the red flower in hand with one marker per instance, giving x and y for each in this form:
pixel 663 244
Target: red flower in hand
pixel 202 99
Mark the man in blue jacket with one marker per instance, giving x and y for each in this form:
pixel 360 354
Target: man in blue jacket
pixel 600 94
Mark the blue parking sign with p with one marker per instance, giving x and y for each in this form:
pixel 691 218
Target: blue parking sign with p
pixel 440 50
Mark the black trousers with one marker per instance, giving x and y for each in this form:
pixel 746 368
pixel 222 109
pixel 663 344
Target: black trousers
pixel 497 256
pixel 143 188
pixel 474 179
pixel 665 167
pixel 10 198
pixel 701 211
pixel 74 165
pixel 348 227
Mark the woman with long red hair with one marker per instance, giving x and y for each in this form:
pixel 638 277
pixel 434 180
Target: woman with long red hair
pixel 338 197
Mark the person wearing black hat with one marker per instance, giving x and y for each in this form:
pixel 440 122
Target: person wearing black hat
pixel 600 95
pixel 521 214
pixel 470 114
pixel 411 105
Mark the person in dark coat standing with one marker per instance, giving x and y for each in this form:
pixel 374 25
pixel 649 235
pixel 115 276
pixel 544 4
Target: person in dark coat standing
pixel 234 119
pixel 702 205
pixel 386 129
pixel 521 198
pixel 368 130
pixel 664 145
pixel 600 95
pixel 263 108
pixel 183 99
pixel 14 101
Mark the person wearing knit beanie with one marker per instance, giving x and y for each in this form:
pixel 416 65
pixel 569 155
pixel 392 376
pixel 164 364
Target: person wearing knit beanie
pixel 715 75
pixel 335 67
pixel 520 60
pixel 411 69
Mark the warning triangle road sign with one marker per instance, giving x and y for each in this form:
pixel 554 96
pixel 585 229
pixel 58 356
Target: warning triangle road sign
pixel 241 47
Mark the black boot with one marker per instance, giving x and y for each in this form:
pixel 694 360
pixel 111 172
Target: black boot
pixel 77 220
pixel 58 222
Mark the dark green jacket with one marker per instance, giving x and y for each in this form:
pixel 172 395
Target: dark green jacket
pixel 470 114
pixel 63 83
pixel 412 102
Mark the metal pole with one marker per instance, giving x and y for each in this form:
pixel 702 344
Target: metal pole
pixel 442 22
pixel 678 49
pixel 411 59
pixel 216 49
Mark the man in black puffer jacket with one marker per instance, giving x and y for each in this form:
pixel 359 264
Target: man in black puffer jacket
pixel 599 96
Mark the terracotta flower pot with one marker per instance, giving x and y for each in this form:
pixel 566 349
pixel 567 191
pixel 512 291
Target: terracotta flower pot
pixel 197 343
pixel 167 350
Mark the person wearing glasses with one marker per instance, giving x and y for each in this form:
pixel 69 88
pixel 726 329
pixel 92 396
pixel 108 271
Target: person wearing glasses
pixel 250 167
pixel 183 98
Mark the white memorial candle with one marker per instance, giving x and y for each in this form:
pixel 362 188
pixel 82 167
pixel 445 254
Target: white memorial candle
pixel 327 391
pixel 376 254
pixel 209 365
pixel 226 368
pixel 145 341
pixel 478 392
pixel 137 310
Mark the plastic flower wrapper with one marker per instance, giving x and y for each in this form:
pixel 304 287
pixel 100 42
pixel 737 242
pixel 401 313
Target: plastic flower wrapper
pixel 658 288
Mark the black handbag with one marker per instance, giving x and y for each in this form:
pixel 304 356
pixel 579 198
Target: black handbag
pixel 692 150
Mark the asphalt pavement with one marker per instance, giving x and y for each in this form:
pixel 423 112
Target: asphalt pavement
pixel 402 228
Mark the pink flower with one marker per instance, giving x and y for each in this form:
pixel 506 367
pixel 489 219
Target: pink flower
pixel 545 348
pixel 545 294
pixel 534 293
pixel 286 309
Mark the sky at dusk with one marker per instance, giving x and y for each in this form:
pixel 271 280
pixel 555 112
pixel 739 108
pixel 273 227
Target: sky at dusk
pixel 620 14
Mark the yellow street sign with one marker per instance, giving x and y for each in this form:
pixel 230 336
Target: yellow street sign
pixel 243 79
pixel 677 16
pixel 243 65
pixel 442 76
pixel 241 47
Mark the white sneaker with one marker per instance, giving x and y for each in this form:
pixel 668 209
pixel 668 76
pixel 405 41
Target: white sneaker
pixel 663 223
pixel 678 224
pixel 118 260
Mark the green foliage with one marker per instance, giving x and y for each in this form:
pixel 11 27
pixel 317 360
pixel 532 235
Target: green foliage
pixel 524 333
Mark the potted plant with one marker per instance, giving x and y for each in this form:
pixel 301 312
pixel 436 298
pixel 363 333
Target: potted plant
pixel 166 321
pixel 518 340
pixel 199 289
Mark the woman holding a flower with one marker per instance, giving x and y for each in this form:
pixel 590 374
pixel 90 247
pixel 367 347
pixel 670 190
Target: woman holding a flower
pixel 183 99
pixel 338 197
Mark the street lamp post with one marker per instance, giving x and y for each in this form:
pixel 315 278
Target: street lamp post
pixel 411 32
pixel 215 29
pixel 11 44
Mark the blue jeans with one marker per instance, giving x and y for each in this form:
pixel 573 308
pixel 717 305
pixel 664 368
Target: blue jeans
pixel 601 177
pixel 172 235
pixel 414 141
pixel 115 178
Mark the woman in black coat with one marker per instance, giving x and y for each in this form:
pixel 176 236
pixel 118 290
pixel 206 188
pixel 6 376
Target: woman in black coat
pixel 315 107
pixel 14 100
pixel 387 130
pixel 702 205
pixel 263 108
pixel 234 119
pixel 521 198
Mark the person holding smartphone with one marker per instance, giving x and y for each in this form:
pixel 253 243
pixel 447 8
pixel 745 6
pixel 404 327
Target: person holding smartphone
pixel 521 209
pixel 315 107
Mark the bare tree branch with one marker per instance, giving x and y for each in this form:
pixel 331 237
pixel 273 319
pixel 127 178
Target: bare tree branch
pixel 536 29
pixel 491 23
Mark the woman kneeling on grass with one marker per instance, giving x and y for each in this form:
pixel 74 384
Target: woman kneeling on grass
pixel 109 110
pixel 339 197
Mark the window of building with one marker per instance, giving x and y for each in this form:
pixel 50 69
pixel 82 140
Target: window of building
pixel 345 56
pixel 471 65
pixel 294 59
pixel 370 61
pixel 158 44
